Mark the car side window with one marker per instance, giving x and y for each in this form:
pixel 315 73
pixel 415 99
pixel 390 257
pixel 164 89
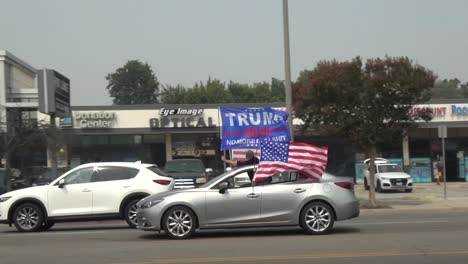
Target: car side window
pixel 80 176
pixel 240 180
pixel 114 173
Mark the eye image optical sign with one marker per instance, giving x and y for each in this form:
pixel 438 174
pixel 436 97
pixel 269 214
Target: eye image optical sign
pixel 244 127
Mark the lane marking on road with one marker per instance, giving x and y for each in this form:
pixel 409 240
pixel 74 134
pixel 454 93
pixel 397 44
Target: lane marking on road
pixel 398 222
pixel 303 257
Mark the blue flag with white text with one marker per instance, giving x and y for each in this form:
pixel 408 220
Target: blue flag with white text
pixel 244 127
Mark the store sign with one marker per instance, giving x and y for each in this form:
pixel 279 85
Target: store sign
pixel 95 119
pixel 436 111
pixel 180 111
pixel 459 110
pixel 181 117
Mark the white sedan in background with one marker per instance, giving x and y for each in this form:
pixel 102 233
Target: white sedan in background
pixel 94 191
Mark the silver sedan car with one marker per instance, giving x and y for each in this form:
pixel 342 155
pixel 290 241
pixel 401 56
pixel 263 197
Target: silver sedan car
pixel 285 199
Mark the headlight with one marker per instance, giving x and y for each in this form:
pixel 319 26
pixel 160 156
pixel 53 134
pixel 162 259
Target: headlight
pixel 150 203
pixel 201 180
pixel 5 198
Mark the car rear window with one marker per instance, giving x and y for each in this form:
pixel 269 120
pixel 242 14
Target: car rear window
pixel 157 170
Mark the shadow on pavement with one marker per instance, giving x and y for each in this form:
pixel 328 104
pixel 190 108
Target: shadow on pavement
pixel 236 233
pixel 69 229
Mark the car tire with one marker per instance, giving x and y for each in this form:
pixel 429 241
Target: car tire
pixel 366 186
pixel 317 218
pixel 47 225
pixel 378 187
pixel 409 190
pixel 28 217
pixel 179 222
pixel 130 213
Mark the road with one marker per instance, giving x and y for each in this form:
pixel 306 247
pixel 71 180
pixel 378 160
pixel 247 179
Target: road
pixel 382 236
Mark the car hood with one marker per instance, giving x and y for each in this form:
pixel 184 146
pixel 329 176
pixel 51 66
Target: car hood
pixel 185 175
pixel 27 191
pixel 394 175
pixel 162 195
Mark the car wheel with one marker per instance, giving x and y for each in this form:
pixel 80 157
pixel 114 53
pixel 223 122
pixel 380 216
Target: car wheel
pixel 47 225
pixel 317 218
pixel 378 187
pixel 130 212
pixel 28 217
pixel 408 190
pixel 179 222
pixel 366 186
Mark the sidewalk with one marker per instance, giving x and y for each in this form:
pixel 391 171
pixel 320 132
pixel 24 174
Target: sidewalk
pixel 425 196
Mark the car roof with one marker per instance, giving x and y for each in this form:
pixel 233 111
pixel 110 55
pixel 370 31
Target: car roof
pixel 121 164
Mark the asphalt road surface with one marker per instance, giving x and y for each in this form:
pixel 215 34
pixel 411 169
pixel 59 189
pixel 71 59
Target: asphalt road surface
pixel 386 236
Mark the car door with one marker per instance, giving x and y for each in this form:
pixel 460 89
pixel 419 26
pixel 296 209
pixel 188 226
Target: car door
pixel 238 206
pixel 75 197
pixel 282 197
pixel 110 185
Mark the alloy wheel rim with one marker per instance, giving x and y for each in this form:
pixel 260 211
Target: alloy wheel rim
pixel 132 214
pixel 318 218
pixel 28 218
pixel 179 223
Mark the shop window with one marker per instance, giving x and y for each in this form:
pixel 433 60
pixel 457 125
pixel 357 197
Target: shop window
pixel 121 140
pixel 158 138
pixel 94 140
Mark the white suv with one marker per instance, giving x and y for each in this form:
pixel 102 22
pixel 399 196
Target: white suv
pixel 388 176
pixel 93 191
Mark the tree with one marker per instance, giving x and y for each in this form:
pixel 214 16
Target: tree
pixel 447 89
pixel 215 91
pixel 369 105
pixel 133 83
pixel 15 134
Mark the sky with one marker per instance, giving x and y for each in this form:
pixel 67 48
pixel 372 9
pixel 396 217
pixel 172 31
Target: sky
pixel 186 41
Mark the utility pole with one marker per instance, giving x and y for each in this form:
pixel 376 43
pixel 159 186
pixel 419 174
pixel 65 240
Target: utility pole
pixel 287 68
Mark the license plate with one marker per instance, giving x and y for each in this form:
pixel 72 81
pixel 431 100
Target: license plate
pixel 399 183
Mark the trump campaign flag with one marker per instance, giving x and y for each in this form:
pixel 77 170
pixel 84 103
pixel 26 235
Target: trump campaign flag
pixel 277 157
pixel 244 127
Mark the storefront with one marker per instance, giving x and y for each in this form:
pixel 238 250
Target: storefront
pixel 424 147
pixel 148 133
pixel 156 133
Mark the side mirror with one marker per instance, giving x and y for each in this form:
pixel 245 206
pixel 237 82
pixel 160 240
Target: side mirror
pixel 223 187
pixel 209 171
pixel 61 183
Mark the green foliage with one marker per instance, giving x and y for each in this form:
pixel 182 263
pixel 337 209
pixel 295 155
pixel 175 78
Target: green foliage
pixel 368 104
pixel 133 83
pixel 449 89
pixel 215 91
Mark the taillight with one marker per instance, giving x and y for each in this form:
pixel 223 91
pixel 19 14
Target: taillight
pixel 162 182
pixel 346 185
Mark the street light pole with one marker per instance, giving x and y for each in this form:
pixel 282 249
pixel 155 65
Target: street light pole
pixel 287 67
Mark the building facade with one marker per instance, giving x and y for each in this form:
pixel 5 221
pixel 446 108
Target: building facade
pixel 157 133
pixel 22 95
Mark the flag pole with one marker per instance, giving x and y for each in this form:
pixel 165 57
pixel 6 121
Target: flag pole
pixel 221 136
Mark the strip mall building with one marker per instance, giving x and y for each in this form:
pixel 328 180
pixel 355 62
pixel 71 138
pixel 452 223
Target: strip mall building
pixel 156 133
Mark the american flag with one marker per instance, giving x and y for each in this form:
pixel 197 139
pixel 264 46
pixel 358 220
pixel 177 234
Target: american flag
pixel 239 154
pixel 277 157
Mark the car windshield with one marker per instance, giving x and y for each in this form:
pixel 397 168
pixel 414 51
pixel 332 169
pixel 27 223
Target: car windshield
pixel 389 168
pixel 176 166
